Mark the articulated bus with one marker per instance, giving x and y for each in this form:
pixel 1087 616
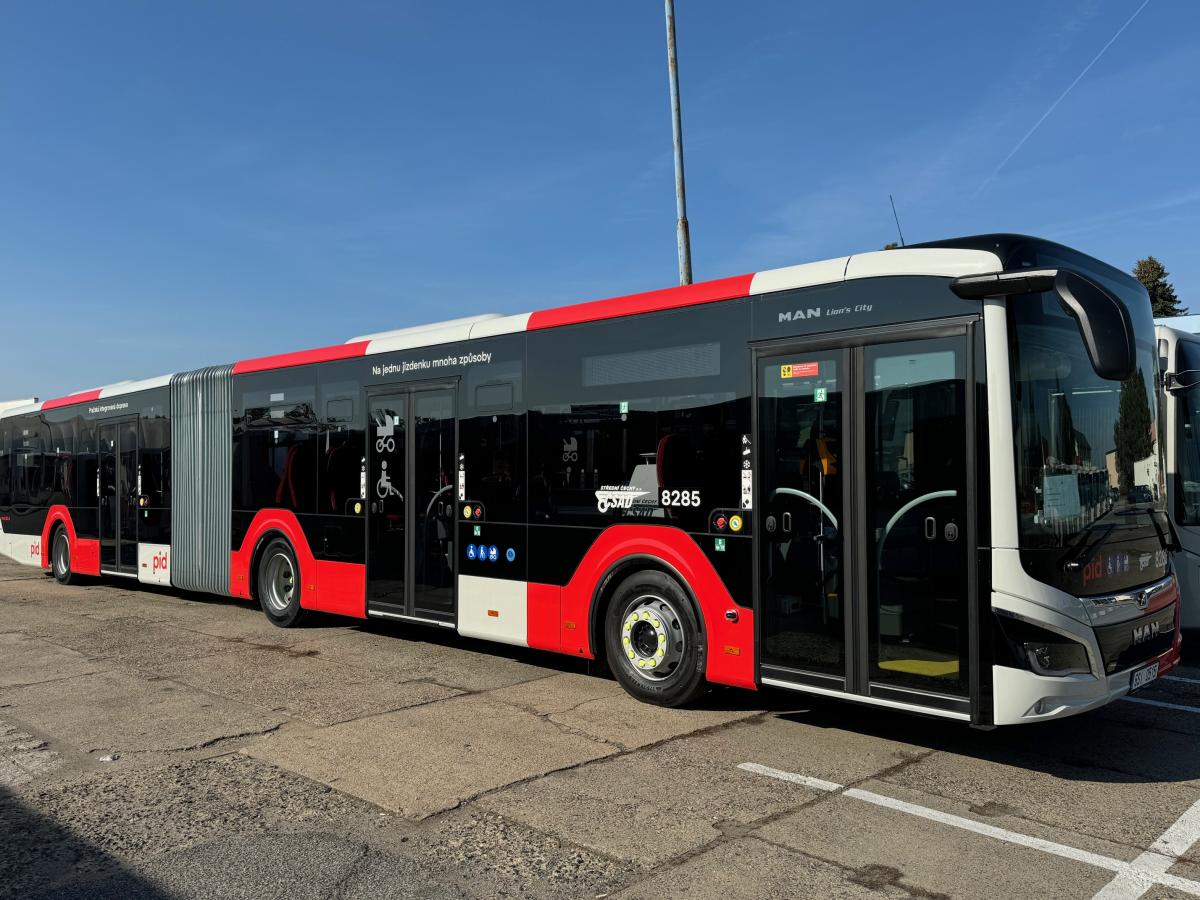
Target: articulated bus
pixel 1179 352
pixel 925 478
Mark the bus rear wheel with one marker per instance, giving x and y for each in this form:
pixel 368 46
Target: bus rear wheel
pixel 60 558
pixel 653 640
pixel 279 584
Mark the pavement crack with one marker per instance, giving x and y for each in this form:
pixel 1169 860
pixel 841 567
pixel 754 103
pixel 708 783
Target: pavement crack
pixel 204 745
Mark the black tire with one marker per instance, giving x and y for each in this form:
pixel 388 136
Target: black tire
pixel 663 661
pixel 60 557
pixel 278 582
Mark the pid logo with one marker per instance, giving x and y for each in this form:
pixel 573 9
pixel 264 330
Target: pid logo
pixel 35 550
pixel 159 563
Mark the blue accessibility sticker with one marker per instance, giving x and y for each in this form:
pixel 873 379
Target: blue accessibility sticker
pixel 511 554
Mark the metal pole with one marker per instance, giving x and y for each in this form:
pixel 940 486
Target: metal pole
pixel 683 236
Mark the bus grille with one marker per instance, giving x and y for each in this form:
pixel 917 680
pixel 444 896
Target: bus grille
pixel 1126 644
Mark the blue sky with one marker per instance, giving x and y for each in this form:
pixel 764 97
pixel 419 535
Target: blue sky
pixel 183 184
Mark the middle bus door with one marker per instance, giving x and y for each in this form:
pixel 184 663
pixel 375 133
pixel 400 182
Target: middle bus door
pixel 410 500
pixel 865 467
pixel 117 482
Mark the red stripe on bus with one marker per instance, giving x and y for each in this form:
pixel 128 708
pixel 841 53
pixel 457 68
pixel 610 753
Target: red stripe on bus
pixel 81 397
pixel 650 301
pixel 730 644
pixel 301 358
pixel 332 587
pixel 542 614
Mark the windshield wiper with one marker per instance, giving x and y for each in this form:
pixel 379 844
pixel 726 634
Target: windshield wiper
pixel 1089 550
pixel 1170 544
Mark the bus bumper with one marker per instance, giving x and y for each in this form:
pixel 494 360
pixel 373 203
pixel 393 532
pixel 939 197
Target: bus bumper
pixel 1021 696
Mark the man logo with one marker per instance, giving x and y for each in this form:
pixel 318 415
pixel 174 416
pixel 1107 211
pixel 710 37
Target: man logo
pixel 1143 633
pixel 799 314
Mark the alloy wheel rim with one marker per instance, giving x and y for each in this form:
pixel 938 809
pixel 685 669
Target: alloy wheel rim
pixel 62 555
pixel 652 638
pixel 280 582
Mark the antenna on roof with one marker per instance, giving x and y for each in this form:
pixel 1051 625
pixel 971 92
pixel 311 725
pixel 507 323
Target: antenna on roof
pixel 897 218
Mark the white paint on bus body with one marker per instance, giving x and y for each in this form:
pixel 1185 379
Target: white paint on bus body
pixel 22 548
pixel 493 609
pixel 940 262
pixel 6 405
pixel 945 262
pixel 806 275
pixel 132 387
pixel 154 563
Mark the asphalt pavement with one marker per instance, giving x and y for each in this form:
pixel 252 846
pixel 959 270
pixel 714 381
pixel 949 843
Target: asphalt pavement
pixel 160 745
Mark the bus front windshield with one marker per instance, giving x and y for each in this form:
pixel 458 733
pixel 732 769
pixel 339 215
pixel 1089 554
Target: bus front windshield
pixel 1091 492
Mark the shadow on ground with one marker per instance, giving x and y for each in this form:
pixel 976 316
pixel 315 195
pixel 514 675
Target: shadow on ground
pixel 41 858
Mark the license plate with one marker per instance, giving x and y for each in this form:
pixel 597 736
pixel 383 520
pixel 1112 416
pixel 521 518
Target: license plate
pixel 1143 677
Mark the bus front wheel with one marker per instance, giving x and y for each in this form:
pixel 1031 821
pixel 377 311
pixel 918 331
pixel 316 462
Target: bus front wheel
pixel 279 584
pixel 653 640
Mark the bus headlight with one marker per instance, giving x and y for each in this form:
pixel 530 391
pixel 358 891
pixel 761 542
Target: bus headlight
pixel 1062 657
pixel 1042 651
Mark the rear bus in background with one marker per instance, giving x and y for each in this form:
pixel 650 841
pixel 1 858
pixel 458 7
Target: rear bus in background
pixel 927 479
pixel 1179 352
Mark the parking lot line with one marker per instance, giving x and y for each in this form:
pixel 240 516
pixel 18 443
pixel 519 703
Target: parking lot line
pixel 1132 878
pixel 1174 843
pixel 1176 706
pixel 806 780
pixel 1181 679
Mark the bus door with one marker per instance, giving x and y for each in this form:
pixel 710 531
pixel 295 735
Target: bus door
pixel 410 475
pixel 117 477
pixel 864 469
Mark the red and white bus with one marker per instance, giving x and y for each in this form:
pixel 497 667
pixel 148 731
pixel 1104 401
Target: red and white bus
pixel 926 478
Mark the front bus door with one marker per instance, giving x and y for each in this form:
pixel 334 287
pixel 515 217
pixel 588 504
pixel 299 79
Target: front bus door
pixel 864 543
pixel 410 558
pixel 117 478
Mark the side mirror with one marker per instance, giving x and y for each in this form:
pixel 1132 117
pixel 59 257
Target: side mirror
pixel 1103 320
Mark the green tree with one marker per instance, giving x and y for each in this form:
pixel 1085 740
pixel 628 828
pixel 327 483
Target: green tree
pixel 1133 433
pixel 1153 276
pixel 891 245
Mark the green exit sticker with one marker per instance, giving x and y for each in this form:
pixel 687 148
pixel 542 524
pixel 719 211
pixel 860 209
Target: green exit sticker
pixel 624 407
pixel 719 545
pixel 819 395
pixel 477 531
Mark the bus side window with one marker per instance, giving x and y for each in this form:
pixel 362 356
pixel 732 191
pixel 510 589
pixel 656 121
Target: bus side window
pixel 342 451
pixel 276 445
pixel 86 465
pixel 155 461
pixel 33 471
pixel 62 461
pixel 493 446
